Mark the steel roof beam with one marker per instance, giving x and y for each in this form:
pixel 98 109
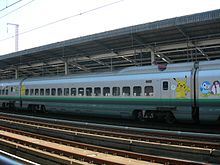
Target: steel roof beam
pixel 71 61
pixel 189 44
pixel 152 49
pixel 115 52
pixel 81 67
pixel 202 52
pixel 100 62
pixel 193 43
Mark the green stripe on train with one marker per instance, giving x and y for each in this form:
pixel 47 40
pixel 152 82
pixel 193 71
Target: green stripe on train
pixel 103 99
pixel 49 98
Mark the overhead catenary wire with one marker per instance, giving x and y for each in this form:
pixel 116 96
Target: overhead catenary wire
pixel 16 9
pixel 66 18
pixel 7 6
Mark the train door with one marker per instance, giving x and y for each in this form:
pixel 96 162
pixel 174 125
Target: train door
pixel 165 89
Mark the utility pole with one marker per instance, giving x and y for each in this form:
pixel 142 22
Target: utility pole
pixel 16 34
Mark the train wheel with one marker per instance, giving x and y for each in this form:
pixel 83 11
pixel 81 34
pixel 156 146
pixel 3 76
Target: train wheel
pixel 43 109
pixel 3 105
pixel 11 106
pixel 170 118
pixel 33 107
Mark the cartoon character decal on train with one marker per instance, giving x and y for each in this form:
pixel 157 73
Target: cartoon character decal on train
pixel 182 89
pixel 215 89
pixel 208 89
pixel 205 88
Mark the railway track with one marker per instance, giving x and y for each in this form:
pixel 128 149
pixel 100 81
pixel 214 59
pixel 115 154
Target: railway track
pixel 67 150
pixel 142 143
pixel 156 125
pixel 169 137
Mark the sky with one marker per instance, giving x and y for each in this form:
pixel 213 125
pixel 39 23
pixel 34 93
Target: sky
pixel 43 22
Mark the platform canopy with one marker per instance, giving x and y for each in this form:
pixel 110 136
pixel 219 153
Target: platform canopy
pixel 181 39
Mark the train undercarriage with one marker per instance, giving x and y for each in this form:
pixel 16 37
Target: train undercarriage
pixel 143 115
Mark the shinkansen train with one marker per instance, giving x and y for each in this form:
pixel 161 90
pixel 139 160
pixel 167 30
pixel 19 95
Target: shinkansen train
pixel 183 92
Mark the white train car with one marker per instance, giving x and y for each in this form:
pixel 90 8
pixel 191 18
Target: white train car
pixel 176 93
pixel 208 90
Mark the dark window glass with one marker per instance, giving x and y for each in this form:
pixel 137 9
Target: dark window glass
pixel 81 91
pixel 36 91
pixel 149 91
pixel 73 91
pixel 59 91
pixel 31 92
pixel 97 91
pixel 165 85
pixel 106 91
pixel 47 92
pixel 88 91
pixel 66 92
pixel 53 92
pixel 41 92
pixel 116 91
pixel 126 91
pixel 137 91
pixel 26 92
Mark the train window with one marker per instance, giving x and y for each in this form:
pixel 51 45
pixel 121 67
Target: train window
pixel 36 91
pixel 88 91
pixel 97 91
pixel 59 91
pixel 165 85
pixel 66 91
pixel 126 91
pixel 53 91
pixel 73 91
pixel 41 92
pixel 81 91
pixel 116 91
pixel 47 92
pixel 12 89
pixel 149 91
pixel 26 92
pixel 6 91
pixel 31 91
pixel 106 91
pixel 3 92
pixel 137 91
pixel 0 91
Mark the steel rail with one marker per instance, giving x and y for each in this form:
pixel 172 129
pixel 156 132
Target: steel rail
pixel 127 154
pixel 162 138
pixel 144 131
